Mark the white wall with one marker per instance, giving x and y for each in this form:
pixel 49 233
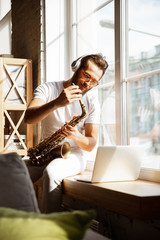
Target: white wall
pixel 5 27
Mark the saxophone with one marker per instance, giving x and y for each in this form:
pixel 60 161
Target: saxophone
pixel 49 148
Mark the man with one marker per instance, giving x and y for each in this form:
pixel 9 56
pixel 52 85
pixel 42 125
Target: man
pixel 55 103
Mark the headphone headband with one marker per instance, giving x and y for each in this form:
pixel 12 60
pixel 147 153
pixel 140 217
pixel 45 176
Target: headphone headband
pixel 77 63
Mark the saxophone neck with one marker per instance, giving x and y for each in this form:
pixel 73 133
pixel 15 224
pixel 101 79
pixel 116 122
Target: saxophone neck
pixel 84 113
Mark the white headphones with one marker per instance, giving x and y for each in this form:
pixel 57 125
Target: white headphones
pixel 77 63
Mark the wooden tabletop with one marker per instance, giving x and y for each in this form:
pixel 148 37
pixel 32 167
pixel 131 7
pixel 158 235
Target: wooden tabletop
pixel 136 199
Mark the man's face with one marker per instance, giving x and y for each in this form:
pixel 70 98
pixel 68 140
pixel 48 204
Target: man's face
pixel 89 77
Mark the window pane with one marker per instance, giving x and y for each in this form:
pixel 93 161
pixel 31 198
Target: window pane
pixel 54 40
pixel 145 117
pixel 144 91
pixel 84 9
pixel 144 35
pixel 95 34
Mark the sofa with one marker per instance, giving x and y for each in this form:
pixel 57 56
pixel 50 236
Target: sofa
pixel 20 217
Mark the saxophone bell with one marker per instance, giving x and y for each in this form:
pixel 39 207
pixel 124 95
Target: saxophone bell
pixel 62 151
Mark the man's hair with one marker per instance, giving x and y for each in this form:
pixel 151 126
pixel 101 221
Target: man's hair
pixel 98 59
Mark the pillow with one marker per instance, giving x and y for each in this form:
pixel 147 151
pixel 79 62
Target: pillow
pixel 16 188
pixel 18 225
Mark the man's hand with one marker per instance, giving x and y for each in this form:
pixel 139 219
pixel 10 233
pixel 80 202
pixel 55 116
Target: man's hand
pixel 70 132
pixel 69 95
pixel 86 142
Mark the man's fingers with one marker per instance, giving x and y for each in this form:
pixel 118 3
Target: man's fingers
pixel 69 95
pixel 67 130
pixel 72 94
pixel 74 89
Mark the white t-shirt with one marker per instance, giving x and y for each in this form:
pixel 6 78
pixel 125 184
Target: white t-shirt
pixel 55 120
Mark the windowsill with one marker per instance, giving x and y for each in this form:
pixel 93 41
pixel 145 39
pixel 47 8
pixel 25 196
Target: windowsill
pixel 150 175
pixel 136 199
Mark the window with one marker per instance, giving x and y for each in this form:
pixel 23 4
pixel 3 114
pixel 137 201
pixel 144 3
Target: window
pixel 140 70
pixel 143 78
pixel 127 33
pixel 94 25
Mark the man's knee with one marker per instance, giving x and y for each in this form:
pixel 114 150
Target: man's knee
pixel 52 172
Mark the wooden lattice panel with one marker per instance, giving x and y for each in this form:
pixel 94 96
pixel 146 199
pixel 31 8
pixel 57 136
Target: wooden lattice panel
pixel 15 94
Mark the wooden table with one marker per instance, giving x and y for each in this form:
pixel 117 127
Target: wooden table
pixel 137 199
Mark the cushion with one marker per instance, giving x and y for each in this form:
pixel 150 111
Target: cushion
pixel 18 225
pixel 16 188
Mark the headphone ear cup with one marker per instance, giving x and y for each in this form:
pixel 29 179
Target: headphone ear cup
pixel 76 64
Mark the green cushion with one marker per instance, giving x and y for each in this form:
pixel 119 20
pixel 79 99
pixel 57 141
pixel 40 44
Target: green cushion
pixel 18 225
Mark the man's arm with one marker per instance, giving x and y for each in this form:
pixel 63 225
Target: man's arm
pixel 38 109
pixel 86 142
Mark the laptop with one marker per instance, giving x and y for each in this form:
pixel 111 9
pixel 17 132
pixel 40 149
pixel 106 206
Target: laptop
pixel 115 163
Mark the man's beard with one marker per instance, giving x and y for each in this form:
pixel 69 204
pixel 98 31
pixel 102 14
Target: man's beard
pixel 75 78
pixel 75 81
